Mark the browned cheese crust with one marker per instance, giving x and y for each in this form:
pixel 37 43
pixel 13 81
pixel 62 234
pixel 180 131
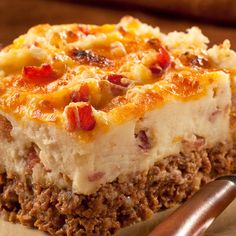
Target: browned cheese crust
pixel 118 204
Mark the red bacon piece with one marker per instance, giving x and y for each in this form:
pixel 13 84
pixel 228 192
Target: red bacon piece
pixel 71 36
pixel 87 120
pixel 156 69
pixel 81 95
pixel 42 74
pixel 31 159
pixel 80 118
pixel 83 30
pixel 117 79
pixel 162 62
pixel 96 176
pixel 214 115
pixel 163 58
pixel 144 142
pixel 72 119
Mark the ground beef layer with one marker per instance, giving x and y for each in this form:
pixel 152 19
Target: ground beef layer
pixel 117 204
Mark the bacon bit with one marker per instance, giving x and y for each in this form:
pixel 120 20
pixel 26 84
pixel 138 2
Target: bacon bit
pixel 122 30
pixel 172 65
pixel 5 129
pixel 89 58
pixel 83 30
pixel 143 140
pixel 71 36
pixel 156 69
pixel 72 119
pixel 118 80
pixel 32 159
pixel 194 61
pixel 214 115
pixel 82 95
pixel 155 43
pixel 43 74
pixel 163 58
pixel 80 118
pixel 162 62
pixel 119 83
pixel 87 121
pixel 96 176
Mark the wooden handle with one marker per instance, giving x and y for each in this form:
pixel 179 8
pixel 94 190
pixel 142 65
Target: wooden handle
pixel 197 214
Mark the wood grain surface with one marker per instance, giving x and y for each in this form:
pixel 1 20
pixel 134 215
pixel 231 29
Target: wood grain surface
pixel 17 16
pixel 214 10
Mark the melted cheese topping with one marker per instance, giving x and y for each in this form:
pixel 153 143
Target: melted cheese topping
pixel 89 54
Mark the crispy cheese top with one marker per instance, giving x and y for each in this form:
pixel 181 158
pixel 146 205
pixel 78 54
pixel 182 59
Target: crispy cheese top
pixel 86 77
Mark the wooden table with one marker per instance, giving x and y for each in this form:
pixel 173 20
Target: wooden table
pixel 17 16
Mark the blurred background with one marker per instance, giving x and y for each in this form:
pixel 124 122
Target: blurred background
pixel 217 18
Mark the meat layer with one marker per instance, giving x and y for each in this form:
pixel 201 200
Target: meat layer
pixel 117 204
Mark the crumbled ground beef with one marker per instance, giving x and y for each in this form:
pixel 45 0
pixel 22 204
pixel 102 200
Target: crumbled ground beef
pixel 118 204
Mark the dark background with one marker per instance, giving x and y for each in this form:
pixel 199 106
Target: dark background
pixel 16 16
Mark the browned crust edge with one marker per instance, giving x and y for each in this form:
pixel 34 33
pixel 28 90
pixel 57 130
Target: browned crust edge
pixel 117 204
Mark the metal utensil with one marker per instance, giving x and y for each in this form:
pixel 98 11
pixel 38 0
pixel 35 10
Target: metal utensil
pixel 196 215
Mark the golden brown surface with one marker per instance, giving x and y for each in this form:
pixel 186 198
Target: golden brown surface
pixel 47 101
pixel 56 73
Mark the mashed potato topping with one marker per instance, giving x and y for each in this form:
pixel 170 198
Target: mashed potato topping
pixel 126 67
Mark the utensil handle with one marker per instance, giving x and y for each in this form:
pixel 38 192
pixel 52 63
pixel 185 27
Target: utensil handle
pixel 197 214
